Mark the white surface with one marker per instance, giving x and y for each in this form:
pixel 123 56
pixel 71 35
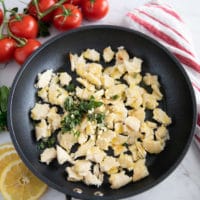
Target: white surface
pixel 184 182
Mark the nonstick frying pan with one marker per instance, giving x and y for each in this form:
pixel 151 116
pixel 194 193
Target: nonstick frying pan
pixel 179 102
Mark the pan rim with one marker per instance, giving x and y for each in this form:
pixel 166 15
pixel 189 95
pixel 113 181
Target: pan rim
pixel 71 193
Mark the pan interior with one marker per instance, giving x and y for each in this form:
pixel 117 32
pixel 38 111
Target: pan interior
pixel 179 103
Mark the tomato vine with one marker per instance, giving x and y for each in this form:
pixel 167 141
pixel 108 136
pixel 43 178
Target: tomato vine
pixel 17 29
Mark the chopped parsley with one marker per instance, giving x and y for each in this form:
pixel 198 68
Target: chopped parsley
pixel 76 133
pixel 47 143
pixel 115 97
pixel 98 117
pixel 70 87
pixel 69 104
pixel 77 110
pixel 85 106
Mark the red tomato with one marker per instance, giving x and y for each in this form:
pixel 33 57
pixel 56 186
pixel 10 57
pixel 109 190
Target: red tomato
pixel 43 6
pixel 22 53
pixel 94 9
pixel 25 27
pixel 7 48
pixel 1 16
pixel 74 2
pixel 67 17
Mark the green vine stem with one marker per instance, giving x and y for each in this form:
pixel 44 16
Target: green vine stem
pixel 42 14
pixel 20 41
pixel 4 19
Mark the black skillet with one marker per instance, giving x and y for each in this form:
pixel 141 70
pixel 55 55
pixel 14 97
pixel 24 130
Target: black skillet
pixel 179 103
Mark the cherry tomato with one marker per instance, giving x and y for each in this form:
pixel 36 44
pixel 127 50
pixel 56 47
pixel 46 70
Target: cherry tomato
pixel 22 53
pixel 24 26
pixel 94 9
pixel 7 48
pixel 67 17
pixel 43 5
pixel 1 16
pixel 74 2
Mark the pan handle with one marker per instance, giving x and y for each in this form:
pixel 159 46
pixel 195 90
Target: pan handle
pixel 68 197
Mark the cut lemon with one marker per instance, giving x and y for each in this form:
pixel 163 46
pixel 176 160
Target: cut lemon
pixel 6 147
pixel 18 183
pixel 6 158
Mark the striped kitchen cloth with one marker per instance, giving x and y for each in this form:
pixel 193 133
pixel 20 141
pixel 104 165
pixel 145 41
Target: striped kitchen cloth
pixel 163 23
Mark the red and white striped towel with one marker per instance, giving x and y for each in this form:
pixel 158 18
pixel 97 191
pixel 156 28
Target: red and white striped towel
pixel 163 23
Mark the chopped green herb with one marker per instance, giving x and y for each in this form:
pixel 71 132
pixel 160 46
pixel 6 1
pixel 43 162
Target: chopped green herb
pixel 99 117
pixel 85 106
pixel 76 133
pixel 91 117
pixel 70 121
pixel 41 146
pixel 115 97
pixel 47 143
pixel 69 104
pixel 70 87
pixel 4 93
pixel 77 109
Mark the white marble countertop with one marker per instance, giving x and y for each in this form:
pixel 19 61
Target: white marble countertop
pixel 184 182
